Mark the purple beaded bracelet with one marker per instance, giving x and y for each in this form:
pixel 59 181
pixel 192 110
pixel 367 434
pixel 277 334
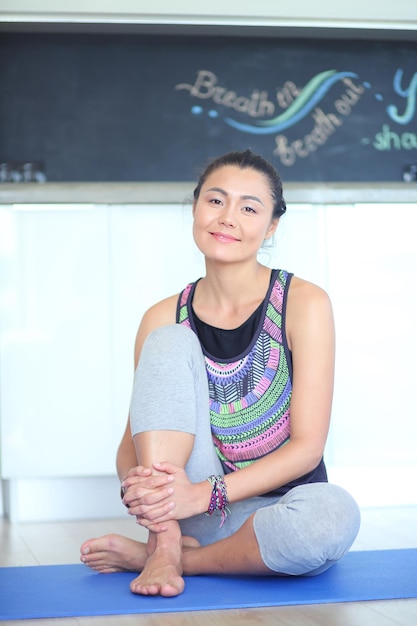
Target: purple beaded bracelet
pixel 218 498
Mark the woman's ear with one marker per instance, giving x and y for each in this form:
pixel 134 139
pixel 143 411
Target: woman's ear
pixel 272 228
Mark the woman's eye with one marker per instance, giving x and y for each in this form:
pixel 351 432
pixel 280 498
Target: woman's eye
pixel 215 201
pixel 249 209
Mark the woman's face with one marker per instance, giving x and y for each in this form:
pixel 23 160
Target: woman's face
pixel 233 214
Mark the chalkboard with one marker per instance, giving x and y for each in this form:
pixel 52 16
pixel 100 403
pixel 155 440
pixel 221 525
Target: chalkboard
pixel 125 107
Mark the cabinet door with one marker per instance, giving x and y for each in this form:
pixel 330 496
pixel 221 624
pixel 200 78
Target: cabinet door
pixel 55 369
pixel 372 270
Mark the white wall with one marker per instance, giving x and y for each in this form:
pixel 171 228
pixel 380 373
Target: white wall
pixel 355 14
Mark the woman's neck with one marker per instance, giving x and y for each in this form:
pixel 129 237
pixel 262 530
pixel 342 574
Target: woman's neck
pixel 229 295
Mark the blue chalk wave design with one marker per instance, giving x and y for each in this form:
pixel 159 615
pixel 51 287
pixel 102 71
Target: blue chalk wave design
pixel 309 97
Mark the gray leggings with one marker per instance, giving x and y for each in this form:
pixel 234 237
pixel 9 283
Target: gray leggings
pixel 301 533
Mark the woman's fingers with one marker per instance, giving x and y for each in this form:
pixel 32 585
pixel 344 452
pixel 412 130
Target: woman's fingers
pixel 147 517
pixel 146 498
pixel 147 482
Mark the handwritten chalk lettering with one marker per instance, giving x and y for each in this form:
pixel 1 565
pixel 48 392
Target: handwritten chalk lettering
pixel 287 94
pixel 357 89
pixel 410 94
pixel 351 97
pixel 206 87
pixel 203 86
pixel 388 139
pixel 325 124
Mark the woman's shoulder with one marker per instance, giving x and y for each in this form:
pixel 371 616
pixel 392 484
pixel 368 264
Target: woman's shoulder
pixel 305 291
pixel 162 313
pixel 308 308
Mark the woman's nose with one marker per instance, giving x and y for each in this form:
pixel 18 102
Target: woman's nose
pixel 228 217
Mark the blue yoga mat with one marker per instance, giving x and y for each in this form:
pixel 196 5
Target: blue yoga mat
pixel 74 590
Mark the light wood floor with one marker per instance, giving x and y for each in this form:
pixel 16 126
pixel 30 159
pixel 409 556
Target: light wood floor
pixel 54 543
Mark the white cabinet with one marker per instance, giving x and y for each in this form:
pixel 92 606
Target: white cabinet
pixel 74 285
pixel 56 400
pixel 372 278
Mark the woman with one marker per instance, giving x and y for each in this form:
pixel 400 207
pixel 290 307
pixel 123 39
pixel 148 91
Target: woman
pixel 228 476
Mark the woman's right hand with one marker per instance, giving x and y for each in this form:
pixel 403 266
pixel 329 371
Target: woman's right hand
pixel 174 498
pixel 141 487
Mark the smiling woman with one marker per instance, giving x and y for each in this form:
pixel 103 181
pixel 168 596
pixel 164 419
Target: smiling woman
pixel 224 215
pixel 230 409
pixel 247 161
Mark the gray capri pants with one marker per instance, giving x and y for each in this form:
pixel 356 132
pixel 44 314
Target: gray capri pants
pixel 301 533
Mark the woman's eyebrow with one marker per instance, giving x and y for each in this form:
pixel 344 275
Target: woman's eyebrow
pixel 253 198
pixel 219 189
pixel 244 197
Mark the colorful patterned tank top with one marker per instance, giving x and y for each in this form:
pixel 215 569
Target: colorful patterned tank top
pixel 250 394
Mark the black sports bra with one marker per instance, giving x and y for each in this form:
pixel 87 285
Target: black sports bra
pixel 226 344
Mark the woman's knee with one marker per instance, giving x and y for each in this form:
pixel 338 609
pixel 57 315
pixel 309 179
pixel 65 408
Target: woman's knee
pixel 170 352
pixel 171 338
pixel 168 382
pixel 334 522
pixel 309 529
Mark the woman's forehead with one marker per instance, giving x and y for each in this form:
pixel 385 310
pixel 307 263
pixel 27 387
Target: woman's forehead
pixel 238 176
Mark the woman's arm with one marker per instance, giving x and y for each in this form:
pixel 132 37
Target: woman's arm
pixel 310 333
pixel 161 314
pixel 126 455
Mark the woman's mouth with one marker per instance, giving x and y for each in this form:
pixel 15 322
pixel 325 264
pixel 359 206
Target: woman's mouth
pixel 224 238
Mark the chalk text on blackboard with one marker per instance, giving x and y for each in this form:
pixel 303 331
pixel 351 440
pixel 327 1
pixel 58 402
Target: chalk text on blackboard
pixel 409 93
pixel 325 124
pixel 205 87
pixel 296 103
pixel 388 140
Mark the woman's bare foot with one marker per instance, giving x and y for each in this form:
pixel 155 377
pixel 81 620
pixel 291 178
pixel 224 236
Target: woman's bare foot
pixel 162 574
pixel 114 553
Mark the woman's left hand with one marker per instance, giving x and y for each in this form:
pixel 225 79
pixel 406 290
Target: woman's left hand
pixel 181 503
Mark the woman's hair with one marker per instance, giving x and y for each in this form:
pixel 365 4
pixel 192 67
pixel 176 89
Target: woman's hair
pixel 248 159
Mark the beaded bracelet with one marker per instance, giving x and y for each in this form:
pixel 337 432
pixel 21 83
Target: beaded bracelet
pixel 122 494
pixel 218 498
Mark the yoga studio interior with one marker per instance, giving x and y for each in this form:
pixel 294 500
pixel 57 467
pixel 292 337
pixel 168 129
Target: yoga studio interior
pixel 108 112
